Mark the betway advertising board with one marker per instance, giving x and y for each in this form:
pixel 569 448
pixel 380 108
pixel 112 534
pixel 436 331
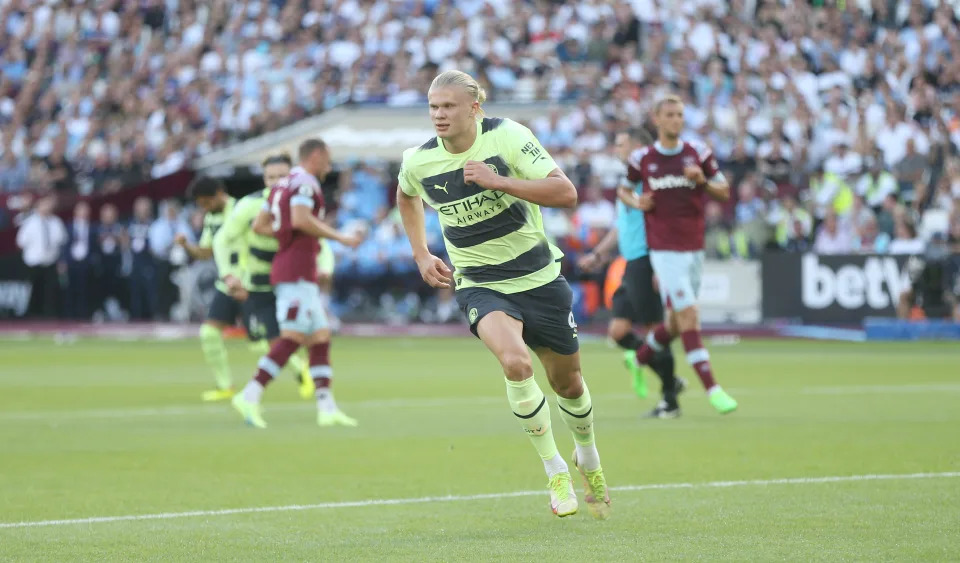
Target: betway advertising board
pixel 840 289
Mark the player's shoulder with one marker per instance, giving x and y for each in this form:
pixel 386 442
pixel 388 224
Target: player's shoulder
pixel 638 155
pixel 701 148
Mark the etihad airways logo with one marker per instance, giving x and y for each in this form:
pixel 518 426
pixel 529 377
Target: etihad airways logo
pixel 475 207
pixel 670 182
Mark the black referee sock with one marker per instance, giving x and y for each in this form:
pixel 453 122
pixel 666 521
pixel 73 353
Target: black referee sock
pixel 663 365
pixel 630 342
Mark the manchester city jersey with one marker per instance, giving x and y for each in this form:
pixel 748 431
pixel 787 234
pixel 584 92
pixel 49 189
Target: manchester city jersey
pixel 494 240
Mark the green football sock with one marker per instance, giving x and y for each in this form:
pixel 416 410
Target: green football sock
pixel 215 353
pixel 577 414
pixel 530 407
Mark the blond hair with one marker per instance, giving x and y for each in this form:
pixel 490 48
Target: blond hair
pixel 668 99
pixel 464 80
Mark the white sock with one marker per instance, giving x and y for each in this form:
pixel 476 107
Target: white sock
pixel 325 402
pixel 555 465
pixel 253 391
pixel 713 390
pixel 588 457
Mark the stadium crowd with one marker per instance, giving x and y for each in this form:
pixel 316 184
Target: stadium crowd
pixel 838 128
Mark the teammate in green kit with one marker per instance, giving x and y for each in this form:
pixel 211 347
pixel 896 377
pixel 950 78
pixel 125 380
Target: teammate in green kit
pixel 210 195
pixel 487 177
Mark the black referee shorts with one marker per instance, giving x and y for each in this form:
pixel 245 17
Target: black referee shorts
pixel 636 299
pixel 546 313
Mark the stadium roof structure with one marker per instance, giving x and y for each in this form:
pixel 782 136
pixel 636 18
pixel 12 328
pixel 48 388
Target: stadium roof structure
pixel 352 132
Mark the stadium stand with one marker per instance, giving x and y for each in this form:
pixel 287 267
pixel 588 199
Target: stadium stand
pixel 838 126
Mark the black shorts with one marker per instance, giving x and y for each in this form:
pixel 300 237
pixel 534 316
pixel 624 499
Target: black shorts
pixel 260 316
pixel 636 299
pixel 546 313
pixel 223 308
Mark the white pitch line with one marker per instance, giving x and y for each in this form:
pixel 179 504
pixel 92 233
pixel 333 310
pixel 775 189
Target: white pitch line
pixel 465 498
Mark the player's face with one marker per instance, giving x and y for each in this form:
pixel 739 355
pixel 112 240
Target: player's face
pixel 451 110
pixel 319 163
pixel 273 173
pixel 622 146
pixel 670 119
pixel 212 203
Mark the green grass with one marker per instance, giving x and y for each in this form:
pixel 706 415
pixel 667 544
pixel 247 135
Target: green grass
pixel 101 428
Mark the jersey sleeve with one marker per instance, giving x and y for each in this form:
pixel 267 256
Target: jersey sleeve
pixel 634 169
pixel 305 194
pixel 526 154
pixel 708 162
pixel 406 179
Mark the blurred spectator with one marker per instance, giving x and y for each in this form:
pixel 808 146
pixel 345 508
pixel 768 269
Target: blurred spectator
pixel 14 172
pixel 78 257
pixel 876 184
pixel 41 237
pixel 834 237
pixel 111 239
pixel 595 212
pixel 793 225
pixel 910 170
pixel 905 240
pixel 162 232
pixel 750 207
pixel 870 240
pixel 143 273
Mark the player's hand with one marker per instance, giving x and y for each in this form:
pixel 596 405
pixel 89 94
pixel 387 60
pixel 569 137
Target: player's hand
pixel 695 174
pixel 240 294
pixel 590 262
pixel 353 240
pixel 434 271
pixel 180 239
pixel 645 202
pixel 480 174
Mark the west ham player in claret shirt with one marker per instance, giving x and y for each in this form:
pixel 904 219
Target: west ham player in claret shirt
pixel 292 213
pixel 677 177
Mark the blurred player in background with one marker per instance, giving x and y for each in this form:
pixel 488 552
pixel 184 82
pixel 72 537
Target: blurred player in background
pixel 249 283
pixel 487 178
pixel 636 301
pixel 676 176
pixel 210 195
pixel 292 213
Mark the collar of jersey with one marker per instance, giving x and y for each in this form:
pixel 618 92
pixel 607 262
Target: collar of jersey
pixel 466 152
pixel 668 152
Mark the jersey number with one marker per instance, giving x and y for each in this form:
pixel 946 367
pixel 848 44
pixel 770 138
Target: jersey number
pixel 275 210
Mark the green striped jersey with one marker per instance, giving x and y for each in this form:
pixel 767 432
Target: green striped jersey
pixel 255 251
pixel 494 240
pixel 212 222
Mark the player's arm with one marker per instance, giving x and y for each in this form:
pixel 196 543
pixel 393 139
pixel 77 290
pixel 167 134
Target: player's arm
pixel 539 180
pixel 201 251
pixel 708 175
pixel 410 204
pixel 556 190
pixel 303 220
pixel 263 223
pixel 600 253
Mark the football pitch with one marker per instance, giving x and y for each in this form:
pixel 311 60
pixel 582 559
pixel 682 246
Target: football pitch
pixel 840 451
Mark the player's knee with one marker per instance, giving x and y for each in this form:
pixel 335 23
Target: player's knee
pixel 569 387
pixel 687 319
pixel 618 329
pixel 297 337
pixel 321 336
pixel 516 365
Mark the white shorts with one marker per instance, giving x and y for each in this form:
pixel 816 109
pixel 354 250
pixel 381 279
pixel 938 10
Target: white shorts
pixel 299 307
pixel 679 274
